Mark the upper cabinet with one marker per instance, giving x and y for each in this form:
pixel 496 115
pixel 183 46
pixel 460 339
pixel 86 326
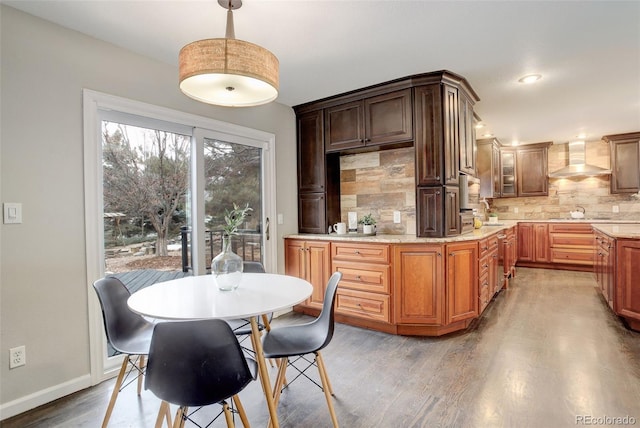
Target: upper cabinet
pixel 372 121
pixel 625 162
pixel 433 112
pixel 532 172
pixel 512 171
pixel 467 136
pixel 488 166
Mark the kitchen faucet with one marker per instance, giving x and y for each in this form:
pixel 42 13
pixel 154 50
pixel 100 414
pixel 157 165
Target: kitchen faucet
pixel 484 201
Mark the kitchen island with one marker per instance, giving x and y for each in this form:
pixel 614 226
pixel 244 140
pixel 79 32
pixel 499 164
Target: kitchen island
pixel 404 284
pixel 617 269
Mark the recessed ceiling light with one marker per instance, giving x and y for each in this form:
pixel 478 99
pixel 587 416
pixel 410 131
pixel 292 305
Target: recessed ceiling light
pixel 515 143
pixel 479 125
pixel 581 136
pixel 487 135
pixel 530 78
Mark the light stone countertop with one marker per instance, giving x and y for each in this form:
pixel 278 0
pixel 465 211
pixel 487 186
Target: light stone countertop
pixel 614 228
pixel 476 234
pixel 629 231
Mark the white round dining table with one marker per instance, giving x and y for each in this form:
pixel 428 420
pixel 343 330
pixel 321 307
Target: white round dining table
pixel 197 297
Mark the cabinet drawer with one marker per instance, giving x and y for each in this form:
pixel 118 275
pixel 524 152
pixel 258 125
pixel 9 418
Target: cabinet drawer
pixel 571 240
pixel 570 228
pixel 359 252
pixel 362 304
pixel 483 265
pixel 573 256
pixel 363 276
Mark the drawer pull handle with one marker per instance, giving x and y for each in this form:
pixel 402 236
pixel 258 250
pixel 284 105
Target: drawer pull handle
pixel 356 252
pixel 358 277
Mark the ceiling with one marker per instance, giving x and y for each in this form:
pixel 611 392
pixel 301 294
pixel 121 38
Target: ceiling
pixel 588 52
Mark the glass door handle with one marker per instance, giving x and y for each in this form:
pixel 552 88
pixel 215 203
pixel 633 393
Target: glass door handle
pixel 267 229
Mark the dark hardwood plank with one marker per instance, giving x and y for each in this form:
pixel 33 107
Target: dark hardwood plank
pixel 546 351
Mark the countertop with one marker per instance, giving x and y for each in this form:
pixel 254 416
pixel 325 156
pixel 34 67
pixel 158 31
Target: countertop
pixel 476 234
pixel 614 228
pixel 629 231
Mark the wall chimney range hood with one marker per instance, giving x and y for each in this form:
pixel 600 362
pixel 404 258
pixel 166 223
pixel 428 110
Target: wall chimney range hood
pixel 577 164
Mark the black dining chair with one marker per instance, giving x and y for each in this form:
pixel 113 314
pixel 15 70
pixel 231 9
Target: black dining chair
pixel 301 340
pixel 195 364
pixel 127 332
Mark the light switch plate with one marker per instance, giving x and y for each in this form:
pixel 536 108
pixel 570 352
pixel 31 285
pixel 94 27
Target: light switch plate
pixel 12 213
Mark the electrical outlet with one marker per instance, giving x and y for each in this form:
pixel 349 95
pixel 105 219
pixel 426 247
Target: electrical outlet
pixel 396 217
pixel 515 210
pixel 616 209
pixel 17 357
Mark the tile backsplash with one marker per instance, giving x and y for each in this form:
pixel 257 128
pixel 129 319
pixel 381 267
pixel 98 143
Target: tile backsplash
pixel 380 183
pixel 383 182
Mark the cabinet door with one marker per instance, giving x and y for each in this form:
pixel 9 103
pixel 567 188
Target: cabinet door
pixel 311 163
pixel 418 284
pixel 318 267
pixel 487 163
pixel 467 136
pixel 294 258
pixel 625 166
pixel 526 242
pixel 312 217
pixel 497 184
pixel 532 168
pixel 462 281
pixel 429 212
pixel 388 118
pixel 627 291
pixel 541 232
pixel 451 134
pixel 427 110
pixel 452 211
pixel 344 128
pixel 508 173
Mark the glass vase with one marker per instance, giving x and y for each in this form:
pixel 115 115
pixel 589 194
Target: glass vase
pixel 226 267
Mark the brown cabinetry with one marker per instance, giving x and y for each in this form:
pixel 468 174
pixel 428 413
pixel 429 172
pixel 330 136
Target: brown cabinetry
pixel 419 284
pixel 309 260
pixel 532 170
pixel 604 266
pixel 571 243
pixel 462 281
pixel 512 172
pixel 488 167
pixel 365 287
pixel 625 162
pixel 533 242
pixel 318 176
pixel 509 254
pixel 431 111
pixel 467 135
pixel 373 121
pixel 627 298
pixel 488 273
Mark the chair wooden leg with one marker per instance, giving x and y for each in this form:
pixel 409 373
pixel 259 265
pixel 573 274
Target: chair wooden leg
pixel 178 422
pixel 164 413
pixel 227 415
pixel 142 364
pixel 327 388
pixel 116 391
pixel 280 379
pixel 241 412
pixel 324 368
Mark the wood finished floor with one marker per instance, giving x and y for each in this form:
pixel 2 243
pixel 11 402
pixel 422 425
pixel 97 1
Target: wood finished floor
pixel 547 351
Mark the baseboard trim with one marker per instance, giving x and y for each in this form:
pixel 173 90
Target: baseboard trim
pixel 44 396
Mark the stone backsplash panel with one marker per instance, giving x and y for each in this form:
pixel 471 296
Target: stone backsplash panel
pixel 382 182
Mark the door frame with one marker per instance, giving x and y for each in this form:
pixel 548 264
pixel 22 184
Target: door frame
pixel 93 103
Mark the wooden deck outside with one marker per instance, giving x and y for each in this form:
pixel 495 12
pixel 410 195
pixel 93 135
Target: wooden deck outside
pixel 139 279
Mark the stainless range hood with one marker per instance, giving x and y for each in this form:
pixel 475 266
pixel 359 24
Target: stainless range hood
pixel 577 164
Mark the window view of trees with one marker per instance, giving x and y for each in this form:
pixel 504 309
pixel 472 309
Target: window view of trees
pixel 146 178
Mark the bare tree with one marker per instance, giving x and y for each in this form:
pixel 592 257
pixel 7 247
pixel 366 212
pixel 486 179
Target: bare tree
pixel 146 179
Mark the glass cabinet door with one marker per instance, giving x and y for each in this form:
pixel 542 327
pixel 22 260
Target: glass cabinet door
pixel 508 173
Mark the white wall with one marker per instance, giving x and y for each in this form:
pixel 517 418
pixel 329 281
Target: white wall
pixel 43 290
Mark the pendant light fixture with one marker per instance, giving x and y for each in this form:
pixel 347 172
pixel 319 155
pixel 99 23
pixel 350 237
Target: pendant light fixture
pixel 228 72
